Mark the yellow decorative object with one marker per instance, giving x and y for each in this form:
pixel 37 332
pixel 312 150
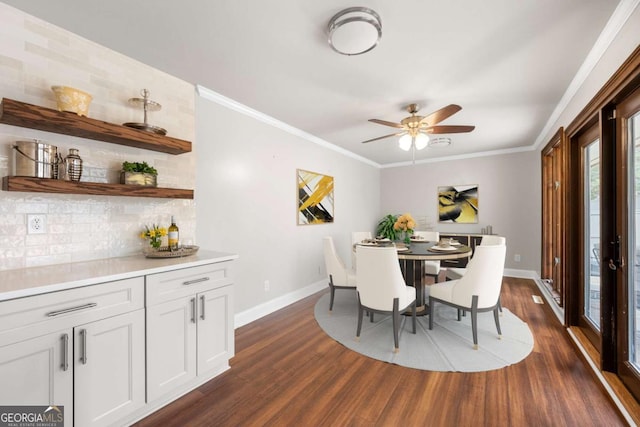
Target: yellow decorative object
pixel 405 224
pixel 154 234
pixel 72 100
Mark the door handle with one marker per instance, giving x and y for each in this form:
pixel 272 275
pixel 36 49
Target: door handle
pixel 193 310
pixel 65 352
pixel 202 302
pixel 83 337
pixel 617 261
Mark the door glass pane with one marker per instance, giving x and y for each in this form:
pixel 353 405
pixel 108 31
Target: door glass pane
pixel 634 239
pixel 591 251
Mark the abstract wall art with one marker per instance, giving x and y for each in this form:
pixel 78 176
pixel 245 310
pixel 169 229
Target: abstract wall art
pixel 315 198
pixel 458 204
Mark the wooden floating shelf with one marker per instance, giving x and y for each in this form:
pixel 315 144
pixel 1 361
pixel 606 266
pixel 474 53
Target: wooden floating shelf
pixel 44 185
pixel 21 114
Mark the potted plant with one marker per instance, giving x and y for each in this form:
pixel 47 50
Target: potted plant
pixel 135 173
pixel 385 227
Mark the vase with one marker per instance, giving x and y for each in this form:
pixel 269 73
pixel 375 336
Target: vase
pixel 73 164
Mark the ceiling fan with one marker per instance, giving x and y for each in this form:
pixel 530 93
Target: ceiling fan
pixel 415 129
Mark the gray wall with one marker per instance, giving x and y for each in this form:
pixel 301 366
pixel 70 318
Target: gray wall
pixel 508 191
pixel 246 201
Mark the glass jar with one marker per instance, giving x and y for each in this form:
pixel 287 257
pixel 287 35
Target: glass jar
pixel 73 164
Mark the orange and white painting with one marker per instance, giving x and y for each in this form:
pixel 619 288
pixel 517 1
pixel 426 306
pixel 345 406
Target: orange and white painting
pixel 315 198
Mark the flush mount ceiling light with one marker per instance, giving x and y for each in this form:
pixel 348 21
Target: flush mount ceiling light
pixel 440 142
pixel 354 31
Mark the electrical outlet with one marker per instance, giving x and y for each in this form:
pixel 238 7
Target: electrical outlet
pixel 266 285
pixel 516 257
pixel 36 224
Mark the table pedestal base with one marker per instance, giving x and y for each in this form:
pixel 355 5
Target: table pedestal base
pixel 413 272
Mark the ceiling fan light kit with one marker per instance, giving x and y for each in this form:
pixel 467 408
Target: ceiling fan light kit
pixel 354 31
pixel 414 130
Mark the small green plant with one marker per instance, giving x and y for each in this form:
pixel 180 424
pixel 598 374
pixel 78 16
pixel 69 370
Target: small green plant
pixel 385 227
pixel 138 167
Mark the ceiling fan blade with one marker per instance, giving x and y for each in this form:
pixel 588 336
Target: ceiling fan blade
pixel 448 129
pixel 386 123
pixel 383 137
pixel 441 114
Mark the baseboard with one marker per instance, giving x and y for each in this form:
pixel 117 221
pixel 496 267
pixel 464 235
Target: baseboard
pixel 520 274
pixel 276 304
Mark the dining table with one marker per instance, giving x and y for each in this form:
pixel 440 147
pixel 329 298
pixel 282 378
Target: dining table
pixel 412 256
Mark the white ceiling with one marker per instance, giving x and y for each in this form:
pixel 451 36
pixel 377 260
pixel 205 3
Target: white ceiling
pixel 507 63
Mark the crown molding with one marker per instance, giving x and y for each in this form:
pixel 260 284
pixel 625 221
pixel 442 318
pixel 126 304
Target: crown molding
pixel 615 23
pixel 248 111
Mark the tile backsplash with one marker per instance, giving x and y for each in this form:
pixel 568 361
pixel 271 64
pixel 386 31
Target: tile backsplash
pixel 35 55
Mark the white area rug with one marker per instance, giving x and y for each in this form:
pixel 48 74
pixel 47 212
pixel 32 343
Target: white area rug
pixel 448 347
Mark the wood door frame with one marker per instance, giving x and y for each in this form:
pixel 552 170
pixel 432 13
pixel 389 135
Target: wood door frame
pixel 554 204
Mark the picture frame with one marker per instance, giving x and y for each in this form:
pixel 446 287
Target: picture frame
pixel 458 204
pixel 315 198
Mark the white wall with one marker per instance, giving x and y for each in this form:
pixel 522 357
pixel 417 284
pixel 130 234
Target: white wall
pixel 508 191
pixel 624 43
pixel 246 201
pixel 35 55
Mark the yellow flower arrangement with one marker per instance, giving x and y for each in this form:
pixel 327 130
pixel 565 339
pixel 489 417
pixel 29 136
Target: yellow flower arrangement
pixel 154 234
pixel 405 224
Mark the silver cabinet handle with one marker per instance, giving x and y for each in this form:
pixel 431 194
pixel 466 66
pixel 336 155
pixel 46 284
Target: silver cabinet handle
pixel 202 308
pixel 193 310
pixel 83 356
pixel 69 310
pixel 191 282
pixel 65 352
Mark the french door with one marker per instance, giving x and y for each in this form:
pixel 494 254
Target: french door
pixel 590 149
pixel 626 255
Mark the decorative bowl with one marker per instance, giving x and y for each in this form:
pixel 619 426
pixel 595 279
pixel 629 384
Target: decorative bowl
pixel 72 100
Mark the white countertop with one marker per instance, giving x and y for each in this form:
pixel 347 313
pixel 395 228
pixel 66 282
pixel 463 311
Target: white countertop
pixel 37 280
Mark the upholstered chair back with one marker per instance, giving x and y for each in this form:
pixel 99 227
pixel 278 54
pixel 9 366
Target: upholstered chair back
pixel 483 277
pixel 334 265
pixel 379 279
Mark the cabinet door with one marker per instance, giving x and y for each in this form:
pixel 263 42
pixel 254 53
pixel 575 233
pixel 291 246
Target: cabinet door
pixel 215 328
pixel 109 369
pixel 39 371
pixel 171 345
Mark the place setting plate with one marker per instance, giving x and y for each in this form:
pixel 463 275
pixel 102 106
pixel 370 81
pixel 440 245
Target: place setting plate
pixel 437 248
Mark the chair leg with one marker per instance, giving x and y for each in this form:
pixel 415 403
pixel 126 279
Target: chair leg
pixel 360 315
pixel 431 302
pixel 396 320
pixel 500 305
pixel 459 315
pixel 474 320
pixel 413 315
pixel 371 316
pixel 333 293
pixel 496 316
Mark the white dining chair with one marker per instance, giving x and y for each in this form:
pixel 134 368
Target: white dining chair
pixel 339 276
pixel 431 268
pixel 357 237
pixel 477 291
pixel 381 287
pixel 487 240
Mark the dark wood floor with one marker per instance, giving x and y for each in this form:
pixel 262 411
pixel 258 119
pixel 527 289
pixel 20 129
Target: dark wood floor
pixel 288 372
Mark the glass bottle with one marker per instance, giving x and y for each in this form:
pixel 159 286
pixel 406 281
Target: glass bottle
pixel 73 164
pixel 173 235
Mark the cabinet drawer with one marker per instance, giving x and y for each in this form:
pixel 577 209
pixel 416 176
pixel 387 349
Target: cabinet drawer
pixel 24 317
pixel 174 284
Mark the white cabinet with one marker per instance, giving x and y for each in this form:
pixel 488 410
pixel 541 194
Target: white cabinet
pixel 109 369
pixel 81 348
pixel 38 371
pixel 189 326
